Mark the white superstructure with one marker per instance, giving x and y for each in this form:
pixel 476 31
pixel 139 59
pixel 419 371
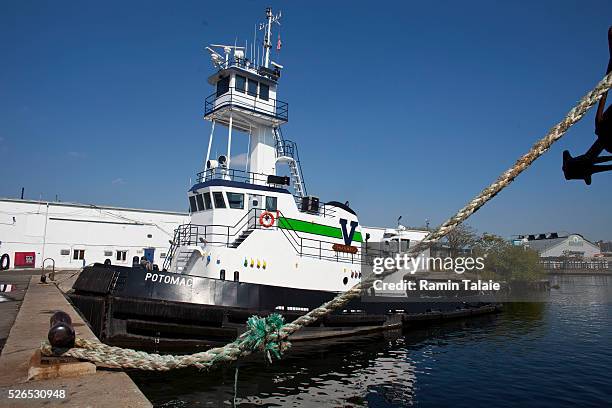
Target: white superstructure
pixel 255 226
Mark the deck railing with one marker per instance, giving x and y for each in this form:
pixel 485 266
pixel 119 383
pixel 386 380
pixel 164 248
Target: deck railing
pixel 241 98
pixel 226 236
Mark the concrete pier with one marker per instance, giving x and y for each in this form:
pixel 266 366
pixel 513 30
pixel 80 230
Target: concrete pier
pixel 100 389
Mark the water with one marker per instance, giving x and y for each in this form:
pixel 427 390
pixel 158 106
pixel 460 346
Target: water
pixel 551 354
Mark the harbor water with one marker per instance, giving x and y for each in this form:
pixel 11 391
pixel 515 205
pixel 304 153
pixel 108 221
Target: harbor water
pixel 552 354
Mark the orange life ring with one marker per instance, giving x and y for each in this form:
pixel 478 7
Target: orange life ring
pixel 266 219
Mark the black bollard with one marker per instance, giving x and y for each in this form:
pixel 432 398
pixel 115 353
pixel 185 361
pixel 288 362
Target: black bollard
pixel 61 332
pixel 58 317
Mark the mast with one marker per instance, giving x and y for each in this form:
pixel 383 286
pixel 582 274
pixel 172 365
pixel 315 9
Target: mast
pixel 267 41
pixel 268 34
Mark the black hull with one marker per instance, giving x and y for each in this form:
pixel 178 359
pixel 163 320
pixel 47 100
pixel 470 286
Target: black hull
pixel 151 309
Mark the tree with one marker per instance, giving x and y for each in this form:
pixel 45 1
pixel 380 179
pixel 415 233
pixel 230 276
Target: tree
pixel 460 237
pixel 506 261
pixel 490 243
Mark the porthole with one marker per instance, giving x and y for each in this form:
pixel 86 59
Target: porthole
pixel 345 280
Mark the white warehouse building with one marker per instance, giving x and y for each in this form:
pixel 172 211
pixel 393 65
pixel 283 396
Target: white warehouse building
pixel 555 246
pixel 73 235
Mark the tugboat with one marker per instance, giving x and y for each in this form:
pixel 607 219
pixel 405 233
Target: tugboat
pixel 257 242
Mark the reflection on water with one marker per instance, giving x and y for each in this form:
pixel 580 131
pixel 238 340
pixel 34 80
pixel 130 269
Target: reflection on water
pixel 546 354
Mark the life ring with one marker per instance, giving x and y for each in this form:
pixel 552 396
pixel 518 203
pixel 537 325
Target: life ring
pixel 266 219
pixel 5 262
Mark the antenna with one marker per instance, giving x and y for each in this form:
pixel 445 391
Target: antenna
pixel 217 58
pixel 267 26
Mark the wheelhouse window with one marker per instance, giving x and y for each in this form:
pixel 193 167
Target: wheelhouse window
pixel 200 202
pixel 192 204
pixel 252 88
pixel 235 200
pixel 222 85
pixel 271 203
pixel 240 83
pixel 207 201
pixel 219 201
pixel 264 92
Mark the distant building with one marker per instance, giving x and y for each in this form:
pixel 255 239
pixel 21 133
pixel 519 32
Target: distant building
pixel 555 246
pixel 73 234
pixel 606 247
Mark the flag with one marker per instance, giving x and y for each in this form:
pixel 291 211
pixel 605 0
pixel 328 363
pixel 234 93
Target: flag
pixel 279 43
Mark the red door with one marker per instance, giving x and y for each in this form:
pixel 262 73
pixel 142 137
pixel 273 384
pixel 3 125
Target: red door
pixel 25 259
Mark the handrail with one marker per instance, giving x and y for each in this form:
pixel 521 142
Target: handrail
pixel 242 98
pixel 233 175
pixel 189 234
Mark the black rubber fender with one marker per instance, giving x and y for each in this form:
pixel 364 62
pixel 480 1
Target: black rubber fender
pixel 5 262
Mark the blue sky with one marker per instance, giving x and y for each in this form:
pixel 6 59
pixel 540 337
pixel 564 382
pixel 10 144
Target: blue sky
pixel 402 108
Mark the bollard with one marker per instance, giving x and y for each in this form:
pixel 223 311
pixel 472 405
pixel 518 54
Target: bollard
pixel 61 332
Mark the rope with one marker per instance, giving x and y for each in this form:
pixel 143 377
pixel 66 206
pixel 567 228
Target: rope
pixel 262 335
pixel 269 334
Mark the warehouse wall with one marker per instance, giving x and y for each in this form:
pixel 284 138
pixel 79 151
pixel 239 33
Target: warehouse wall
pixel 61 230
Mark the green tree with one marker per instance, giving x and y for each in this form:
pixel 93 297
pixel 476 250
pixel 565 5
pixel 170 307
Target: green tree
pixel 506 261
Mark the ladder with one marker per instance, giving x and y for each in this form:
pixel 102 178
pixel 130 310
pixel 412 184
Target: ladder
pixel 287 152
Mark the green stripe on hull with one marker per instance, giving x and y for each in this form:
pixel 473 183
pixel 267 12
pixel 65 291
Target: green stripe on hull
pixel 313 228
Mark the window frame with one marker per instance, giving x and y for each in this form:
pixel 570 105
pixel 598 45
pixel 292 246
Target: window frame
pixel 78 254
pixel 242 88
pixel 229 201
pixel 217 194
pixel 222 87
pixel 249 82
pixel 267 87
pixel 193 207
pixel 269 208
pixel 121 258
pixel 200 202
pixel 207 200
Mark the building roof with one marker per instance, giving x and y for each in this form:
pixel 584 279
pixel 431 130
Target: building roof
pixel 102 207
pixel 542 245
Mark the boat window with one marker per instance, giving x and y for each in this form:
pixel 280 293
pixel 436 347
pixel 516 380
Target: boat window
pixel 252 87
pixel 222 274
pixel 236 276
pixel 264 91
pixel 271 203
pixel 207 200
pixel 240 83
pixel 235 200
pixel 200 202
pixel 219 201
pixel 192 204
pixel 222 86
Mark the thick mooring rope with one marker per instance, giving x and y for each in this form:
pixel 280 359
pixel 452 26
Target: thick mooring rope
pixel 269 334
